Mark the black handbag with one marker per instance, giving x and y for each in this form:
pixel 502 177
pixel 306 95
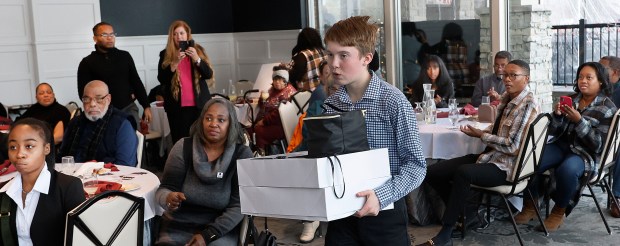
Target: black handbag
pixel 265 238
pixel 336 134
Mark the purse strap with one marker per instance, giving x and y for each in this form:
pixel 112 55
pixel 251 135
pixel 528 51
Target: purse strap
pixel 332 106
pixel 5 220
pixel 344 186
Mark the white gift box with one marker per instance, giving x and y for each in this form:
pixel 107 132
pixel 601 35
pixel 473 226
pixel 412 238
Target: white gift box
pixel 304 188
pixel 295 171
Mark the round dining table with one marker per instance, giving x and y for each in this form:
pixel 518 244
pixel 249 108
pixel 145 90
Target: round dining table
pixel 442 141
pixel 139 182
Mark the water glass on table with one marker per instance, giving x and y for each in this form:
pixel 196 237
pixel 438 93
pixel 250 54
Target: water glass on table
pixel 452 103
pixel 67 165
pixel 453 116
pixel 486 100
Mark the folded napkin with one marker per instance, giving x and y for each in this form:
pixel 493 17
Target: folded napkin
pixel 469 110
pixel 7 167
pixel 105 186
pixel 87 168
pixel 111 167
pixel 442 114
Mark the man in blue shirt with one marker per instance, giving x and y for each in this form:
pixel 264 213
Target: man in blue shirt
pixel 612 64
pixel 102 132
pixel 390 123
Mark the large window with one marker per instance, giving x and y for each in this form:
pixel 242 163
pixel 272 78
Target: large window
pixel 434 22
pixel 327 12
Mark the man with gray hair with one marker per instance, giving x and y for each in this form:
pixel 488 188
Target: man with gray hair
pixel 612 64
pixel 102 132
pixel 492 85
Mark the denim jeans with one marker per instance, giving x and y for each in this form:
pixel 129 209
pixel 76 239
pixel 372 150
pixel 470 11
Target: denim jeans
pixel 568 168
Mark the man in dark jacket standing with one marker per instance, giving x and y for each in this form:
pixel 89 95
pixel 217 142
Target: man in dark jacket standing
pixel 117 69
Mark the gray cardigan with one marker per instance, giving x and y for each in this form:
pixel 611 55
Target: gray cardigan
pixel 212 199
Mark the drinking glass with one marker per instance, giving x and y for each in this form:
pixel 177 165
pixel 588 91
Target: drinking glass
pixel 264 95
pixel 452 103
pixel 232 97
pixel 485 100
pixel 419 112
pixel 90 184
pixel 453 116
pixel 67 165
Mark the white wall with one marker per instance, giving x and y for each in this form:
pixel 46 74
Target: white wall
pixel 45 40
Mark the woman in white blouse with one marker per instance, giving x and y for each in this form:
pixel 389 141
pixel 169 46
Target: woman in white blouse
pixel 38 198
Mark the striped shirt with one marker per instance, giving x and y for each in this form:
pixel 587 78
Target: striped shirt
pixel 390 123
pixel 517 114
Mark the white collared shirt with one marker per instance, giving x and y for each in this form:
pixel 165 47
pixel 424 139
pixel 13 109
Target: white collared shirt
pixel 25 214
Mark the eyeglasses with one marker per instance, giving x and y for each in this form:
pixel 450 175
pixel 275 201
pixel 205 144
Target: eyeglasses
pixel 512 76
pixel 98 100
pixel 107 35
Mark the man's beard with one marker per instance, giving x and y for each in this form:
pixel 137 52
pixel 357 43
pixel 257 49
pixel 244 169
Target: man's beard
pixel 103 48
pixel 98 116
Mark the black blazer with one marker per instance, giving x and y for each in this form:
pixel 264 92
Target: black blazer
pixel 49 222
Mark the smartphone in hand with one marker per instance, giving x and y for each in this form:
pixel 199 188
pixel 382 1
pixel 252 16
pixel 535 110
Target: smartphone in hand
pixel 566 100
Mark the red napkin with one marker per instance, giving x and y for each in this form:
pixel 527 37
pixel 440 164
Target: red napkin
pixel 4 127
pixel 106 185
pixel 442 114
pixel 144 127
pixel 111 167
pixel 469 110
pixel 9 167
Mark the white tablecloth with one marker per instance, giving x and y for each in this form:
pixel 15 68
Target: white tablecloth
pixel 159 123
pixel 148 183
pixel 440 142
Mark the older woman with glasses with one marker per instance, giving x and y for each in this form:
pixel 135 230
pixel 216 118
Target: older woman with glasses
pixel 574 151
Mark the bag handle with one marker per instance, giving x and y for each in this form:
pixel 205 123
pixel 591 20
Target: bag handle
pixel 332 106
pixel 5 218
pixel 344 186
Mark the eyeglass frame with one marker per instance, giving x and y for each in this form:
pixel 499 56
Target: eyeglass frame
pixel 512 76
pixel 107 35
pixel 98 100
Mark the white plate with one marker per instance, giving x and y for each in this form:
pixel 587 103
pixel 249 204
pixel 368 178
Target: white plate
pixel 130 186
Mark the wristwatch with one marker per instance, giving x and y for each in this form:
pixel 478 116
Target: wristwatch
pixel 198 61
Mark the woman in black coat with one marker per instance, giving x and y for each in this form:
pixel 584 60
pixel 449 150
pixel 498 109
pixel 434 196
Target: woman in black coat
pixel 185 73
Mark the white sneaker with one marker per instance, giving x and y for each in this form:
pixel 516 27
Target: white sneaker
pixel 307 235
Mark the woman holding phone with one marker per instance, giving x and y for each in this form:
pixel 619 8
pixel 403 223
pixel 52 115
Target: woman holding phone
pixel 574 152
pixel 185 74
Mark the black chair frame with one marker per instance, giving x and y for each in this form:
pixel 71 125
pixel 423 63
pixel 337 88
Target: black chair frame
pixel 523 159
pixel 73 219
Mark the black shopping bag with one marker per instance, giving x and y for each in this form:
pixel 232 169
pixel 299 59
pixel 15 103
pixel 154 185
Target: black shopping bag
pixel 336 134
